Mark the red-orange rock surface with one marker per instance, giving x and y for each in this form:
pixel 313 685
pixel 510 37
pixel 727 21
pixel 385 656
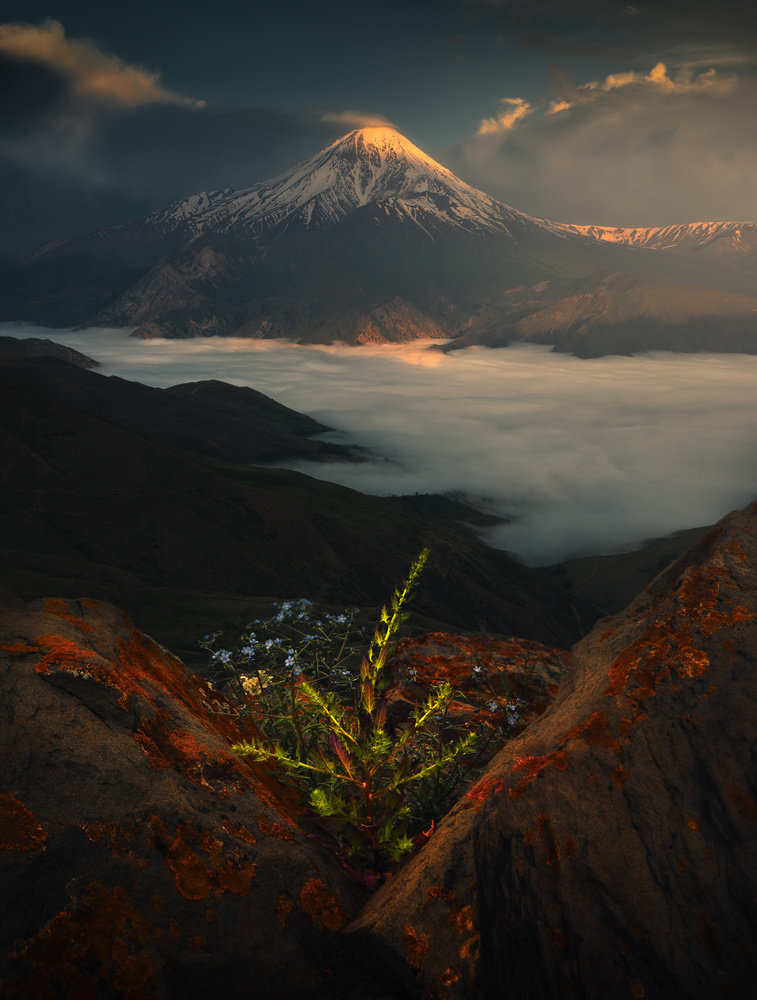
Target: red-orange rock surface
pixel 610 851
pixel 139 857
pixel 507 680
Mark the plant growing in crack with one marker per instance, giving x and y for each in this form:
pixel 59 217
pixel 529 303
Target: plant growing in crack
pixel 372 787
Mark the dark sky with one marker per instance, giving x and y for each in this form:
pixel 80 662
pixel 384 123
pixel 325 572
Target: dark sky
pixel 592 111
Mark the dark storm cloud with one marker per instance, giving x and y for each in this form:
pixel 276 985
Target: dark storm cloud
pixel 84 171
pixel 31 93
pixel 87 141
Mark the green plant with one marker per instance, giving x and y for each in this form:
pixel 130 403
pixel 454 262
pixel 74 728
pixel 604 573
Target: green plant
pixel 324 721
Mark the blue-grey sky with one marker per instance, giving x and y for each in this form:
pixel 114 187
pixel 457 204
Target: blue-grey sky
pixel 586 111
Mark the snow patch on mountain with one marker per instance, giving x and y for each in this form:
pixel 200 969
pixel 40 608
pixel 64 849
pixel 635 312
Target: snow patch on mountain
pixel 369 167
pixel 692 236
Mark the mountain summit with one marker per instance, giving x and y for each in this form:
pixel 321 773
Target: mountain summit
pixel 371 240
pixel 375 166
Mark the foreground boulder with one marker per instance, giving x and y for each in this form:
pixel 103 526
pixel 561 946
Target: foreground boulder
pixel 610 851
pixel 139 857
pixel 508 682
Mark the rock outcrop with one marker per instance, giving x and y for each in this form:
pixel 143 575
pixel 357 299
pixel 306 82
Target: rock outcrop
pixel 611 849
pixel 608 851
pixel 509 682
pixel 139 857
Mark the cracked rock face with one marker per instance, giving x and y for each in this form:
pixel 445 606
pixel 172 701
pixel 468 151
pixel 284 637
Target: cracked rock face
pixel 139 856
pixel 611 849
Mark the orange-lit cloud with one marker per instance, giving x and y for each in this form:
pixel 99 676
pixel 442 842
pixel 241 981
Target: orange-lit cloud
pixel 646 148
pixel 93 74
pixel 515 109
pixel 356 119
pixel 684 82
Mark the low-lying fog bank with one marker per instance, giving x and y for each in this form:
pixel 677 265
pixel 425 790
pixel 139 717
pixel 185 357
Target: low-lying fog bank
pixel 584 456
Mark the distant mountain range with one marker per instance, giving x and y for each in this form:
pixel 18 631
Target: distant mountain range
pixel 373 241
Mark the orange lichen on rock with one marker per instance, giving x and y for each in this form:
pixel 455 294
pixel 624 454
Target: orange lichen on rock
pixel 533 766
pixel 201 864
pixel 548 841
pixel 241 832
pixel 568 847
pixel 620 776
pixel 668 645
pixel 176 748
pixel 416 944
pixel 117 839
pixel 437 892
pixel 59 608
pixel 19 830
pixel 484 788
pixel 141 669
pixel 64 654
pixel 736 550
pixel 102 947
pixel 323 908
pixel 529 837
pixel 461 919
pixel 511 667
pixel 594 731
pixel 17 649
pixel 269 829
pixel 607 633
pixel 284 908
pixel 746 806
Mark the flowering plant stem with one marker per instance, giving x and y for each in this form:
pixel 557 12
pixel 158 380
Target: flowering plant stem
pixel 327 726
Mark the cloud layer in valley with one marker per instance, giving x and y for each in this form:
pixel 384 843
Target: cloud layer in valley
pixel 582 456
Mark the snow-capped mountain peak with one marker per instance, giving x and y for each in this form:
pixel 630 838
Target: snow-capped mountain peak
pixel 374 166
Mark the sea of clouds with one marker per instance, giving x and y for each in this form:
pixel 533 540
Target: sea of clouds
pixel 580 456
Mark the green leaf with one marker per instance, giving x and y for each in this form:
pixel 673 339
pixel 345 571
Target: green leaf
pixel 320 802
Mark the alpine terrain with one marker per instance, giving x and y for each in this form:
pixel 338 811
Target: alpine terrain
pixel 371 240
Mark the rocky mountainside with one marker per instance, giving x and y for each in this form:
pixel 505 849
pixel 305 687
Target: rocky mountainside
pixel 607 851
pixel 622 313
pixel 371 240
